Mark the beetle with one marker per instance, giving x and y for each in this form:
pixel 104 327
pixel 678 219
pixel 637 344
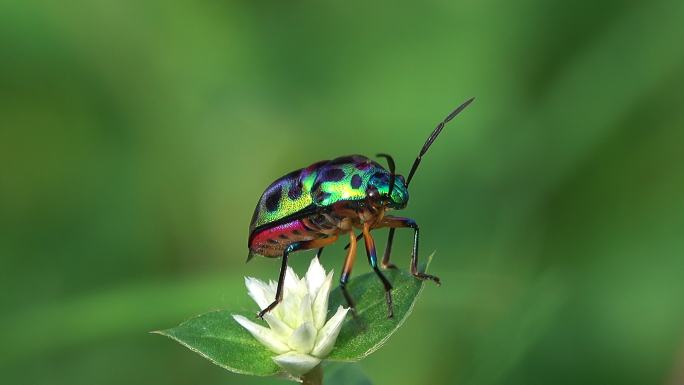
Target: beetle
pixel 310 208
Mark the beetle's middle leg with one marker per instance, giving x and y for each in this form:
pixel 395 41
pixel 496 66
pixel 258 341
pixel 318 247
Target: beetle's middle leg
pixel 373 260
pixel 399 222
pixel 346 271
pixel 304 245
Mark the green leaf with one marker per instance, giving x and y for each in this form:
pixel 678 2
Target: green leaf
pixel 217 337
pixel 371 328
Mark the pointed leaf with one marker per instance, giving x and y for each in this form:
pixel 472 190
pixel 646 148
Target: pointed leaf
pixel 367 332
pixel 221 340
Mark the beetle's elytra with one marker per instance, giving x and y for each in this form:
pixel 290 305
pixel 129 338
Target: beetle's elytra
pixel 311 207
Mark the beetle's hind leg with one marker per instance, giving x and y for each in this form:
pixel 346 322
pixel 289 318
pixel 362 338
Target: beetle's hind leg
pixel 373 260
pixel 281 279
pixel 305 245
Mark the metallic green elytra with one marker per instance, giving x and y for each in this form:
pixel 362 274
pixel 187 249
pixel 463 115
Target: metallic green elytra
pixel 311 207
pixel 347 178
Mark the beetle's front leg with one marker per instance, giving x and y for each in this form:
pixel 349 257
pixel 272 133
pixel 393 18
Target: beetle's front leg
pixel 399 222
pixel 373 260
pixel 386 264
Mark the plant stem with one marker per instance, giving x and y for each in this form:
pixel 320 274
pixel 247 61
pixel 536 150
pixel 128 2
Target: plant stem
pixel 314 377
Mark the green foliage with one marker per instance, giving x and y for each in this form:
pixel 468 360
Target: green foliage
pixel 371 328
pixel 218 338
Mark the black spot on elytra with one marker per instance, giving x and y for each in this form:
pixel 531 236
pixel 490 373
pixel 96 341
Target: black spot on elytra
pixel 348 159
pixel 295 191
pixel 381 176
pixel 273 199
pixel 282 236
pixel 296 232
pixel 321 196
pixel 356 181
pixel 333 175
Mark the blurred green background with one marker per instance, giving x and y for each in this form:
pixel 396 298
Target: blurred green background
pixel 137 137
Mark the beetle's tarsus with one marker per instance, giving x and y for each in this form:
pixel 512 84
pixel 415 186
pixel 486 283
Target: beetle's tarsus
pixel 423 277
pixel 268 309
pixel 389 265
pixel 390 307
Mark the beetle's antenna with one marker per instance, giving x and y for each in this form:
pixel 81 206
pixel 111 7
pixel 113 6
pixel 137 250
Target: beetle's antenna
pixel 390 162
pixel 433 136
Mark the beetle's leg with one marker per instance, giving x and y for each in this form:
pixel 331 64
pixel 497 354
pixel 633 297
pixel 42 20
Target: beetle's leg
pixel 386 264
pixel 397 222
pixel 358 237
pixel 373 260
pixel 306 245
pixel 281 279
pixel 319 252
pixel 346 271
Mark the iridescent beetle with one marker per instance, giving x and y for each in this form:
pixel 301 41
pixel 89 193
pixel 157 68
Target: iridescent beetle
pixel 309 208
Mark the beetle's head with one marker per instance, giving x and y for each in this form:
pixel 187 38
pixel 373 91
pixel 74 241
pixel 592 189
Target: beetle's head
pixel 381 193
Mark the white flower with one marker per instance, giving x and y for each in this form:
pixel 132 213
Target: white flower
pixel 298 332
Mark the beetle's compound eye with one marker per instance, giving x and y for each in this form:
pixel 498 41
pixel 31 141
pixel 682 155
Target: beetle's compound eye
pixel 373 192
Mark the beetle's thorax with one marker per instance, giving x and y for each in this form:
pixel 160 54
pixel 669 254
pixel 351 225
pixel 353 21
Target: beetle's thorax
pixel 371 215
pixel 342 219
